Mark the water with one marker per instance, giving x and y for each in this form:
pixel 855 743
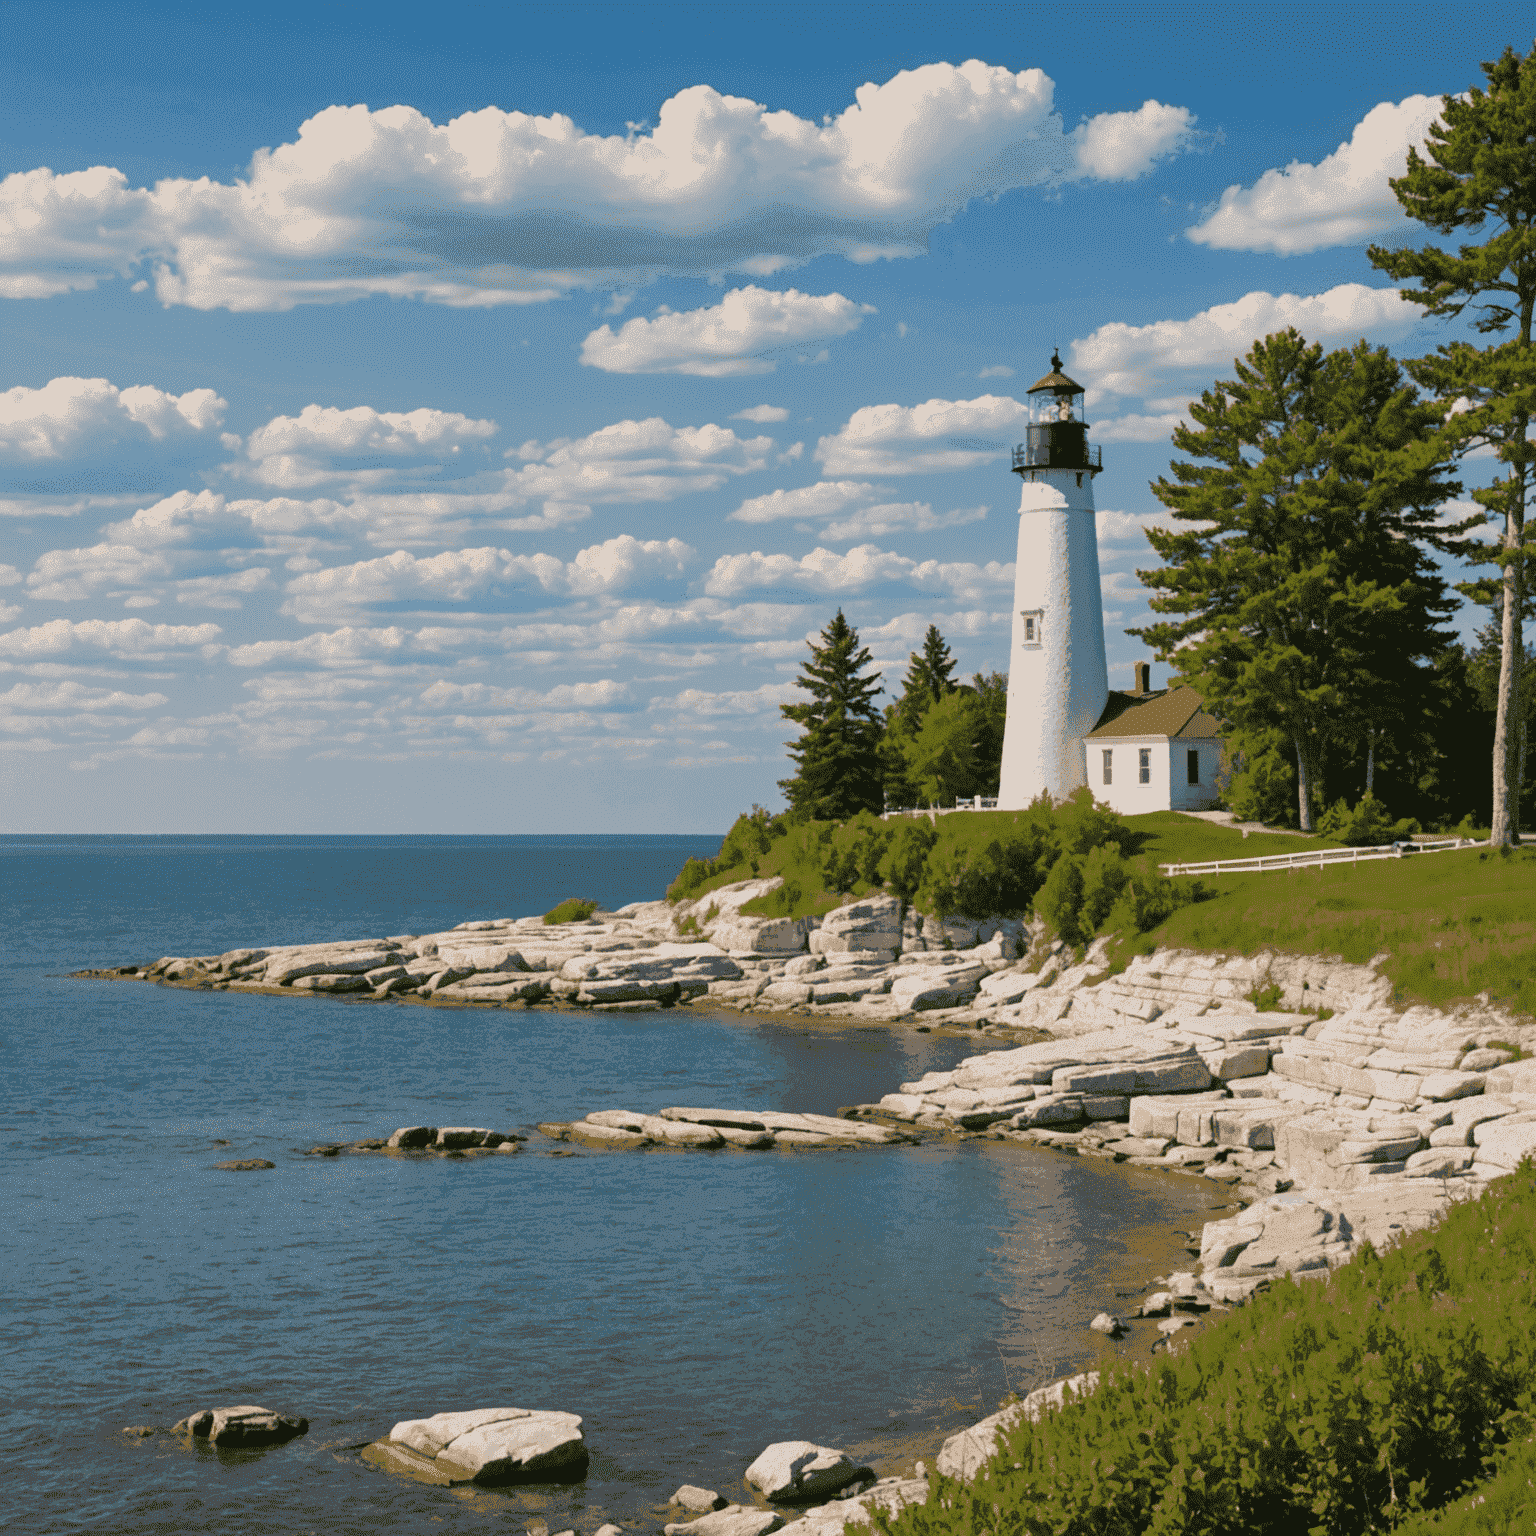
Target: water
pixel 693 1307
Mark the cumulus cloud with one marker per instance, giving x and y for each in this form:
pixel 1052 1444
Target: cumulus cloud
pixel 74 699
pixel 820 500
pixel 762 414
pixel 126 639
pixel 1342 200
pixel 909 440
pixel 111 570
pixel 725 340
pixel 485 576
pixel 1142 360
pixel 499 207
pixel 823 571
pixel 298 451
pixel 69 417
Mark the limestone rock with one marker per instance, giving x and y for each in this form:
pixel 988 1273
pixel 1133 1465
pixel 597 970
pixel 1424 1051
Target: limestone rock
pixel 1108 1323
pixel 890 1495
pixel 733 1520
pixel 242 1427
pixel 965 1454
pixel 700 1499
pixel 798 1471
pixel 492 1445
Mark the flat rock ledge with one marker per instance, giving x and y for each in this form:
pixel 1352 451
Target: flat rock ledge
pixel 746 1129
pixel 485 1446
pixel 245 1427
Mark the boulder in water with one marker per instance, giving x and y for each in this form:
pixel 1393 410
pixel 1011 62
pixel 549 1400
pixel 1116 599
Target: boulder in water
pixel 797 1470
pixel 241 1427
pixel 486 1446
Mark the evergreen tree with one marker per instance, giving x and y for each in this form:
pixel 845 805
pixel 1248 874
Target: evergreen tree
pixel 1307 602
pixel 927 681
pixel 991 690
pixel 838 772
pixel 1481 176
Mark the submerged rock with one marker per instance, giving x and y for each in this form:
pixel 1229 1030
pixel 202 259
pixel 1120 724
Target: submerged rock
pixel 241 1427
pixel 733 1520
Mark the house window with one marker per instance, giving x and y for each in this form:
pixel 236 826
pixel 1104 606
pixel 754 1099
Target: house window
pixel 1144 771
pixel 1194 766
pixel 1109 771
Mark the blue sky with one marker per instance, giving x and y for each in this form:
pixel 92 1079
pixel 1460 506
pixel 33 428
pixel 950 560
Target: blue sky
pixel 458 420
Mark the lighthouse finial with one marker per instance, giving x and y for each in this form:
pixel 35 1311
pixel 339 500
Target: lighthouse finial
pixel 1055 359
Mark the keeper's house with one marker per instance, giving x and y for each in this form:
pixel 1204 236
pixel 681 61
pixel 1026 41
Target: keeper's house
pixel 1154 751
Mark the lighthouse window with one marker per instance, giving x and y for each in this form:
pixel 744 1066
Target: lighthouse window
pixel 1144 771
pixel 1034 624
pixel 1029 629
pixel 1109 770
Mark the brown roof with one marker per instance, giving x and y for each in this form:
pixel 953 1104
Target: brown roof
pixel 1173 712
pixel 1056 381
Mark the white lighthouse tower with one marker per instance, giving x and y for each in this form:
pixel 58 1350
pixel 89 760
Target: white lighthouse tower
pixel 1057 682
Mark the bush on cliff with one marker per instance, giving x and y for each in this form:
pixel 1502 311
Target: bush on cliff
pixel 1353 1404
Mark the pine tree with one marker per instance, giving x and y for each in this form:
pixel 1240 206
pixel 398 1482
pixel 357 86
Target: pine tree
pixel 927 681
pixel 1307 602
pixel 1481 176
pixel 838 771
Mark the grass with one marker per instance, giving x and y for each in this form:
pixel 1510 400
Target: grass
pixel 1452 924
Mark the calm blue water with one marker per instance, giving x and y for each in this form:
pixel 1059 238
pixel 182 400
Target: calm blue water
pixel 693 1307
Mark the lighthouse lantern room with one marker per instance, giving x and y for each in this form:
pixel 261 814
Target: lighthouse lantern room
pixel 1057 682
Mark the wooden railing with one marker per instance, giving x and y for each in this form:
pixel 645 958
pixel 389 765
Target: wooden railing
pixel 1316 856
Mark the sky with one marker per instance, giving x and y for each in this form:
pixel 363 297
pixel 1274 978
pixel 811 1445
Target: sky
pixel 459 420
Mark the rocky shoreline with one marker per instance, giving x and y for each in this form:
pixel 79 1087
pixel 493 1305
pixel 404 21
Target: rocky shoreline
pixel 1295 1083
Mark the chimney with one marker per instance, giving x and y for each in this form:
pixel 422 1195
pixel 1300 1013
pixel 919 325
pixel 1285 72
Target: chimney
pixel 1142 671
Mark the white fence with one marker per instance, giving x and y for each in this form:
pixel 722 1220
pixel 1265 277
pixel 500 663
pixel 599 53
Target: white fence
pixel 976 803
pixel 1317 856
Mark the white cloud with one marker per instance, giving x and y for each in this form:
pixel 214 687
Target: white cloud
pixel 221 591
pixel 820 500
pixel 603 694
pixel 126 639
pixel 502 207
pixel 996 371
pixel 726 339
pixel 493 576
pixel 294 451
pixel 909 440
pixel 1342 200
pixel 746 702
pixel 762 414
pixel 70 416
pixel 75 575
pixel 74 698
pixel 1136 428
pixel 1121 146
pixel 1140 360
pixel 898 517
pixel 825 572
pixel 9 576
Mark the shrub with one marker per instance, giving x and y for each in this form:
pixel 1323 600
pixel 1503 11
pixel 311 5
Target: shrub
pixel 1357 1403
pixel 572 910
pixel 906 856
pixel 1369 823
pixel 1264 786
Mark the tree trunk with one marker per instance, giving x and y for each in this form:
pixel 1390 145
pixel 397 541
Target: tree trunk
pixel 1303 786
pixel 1505 830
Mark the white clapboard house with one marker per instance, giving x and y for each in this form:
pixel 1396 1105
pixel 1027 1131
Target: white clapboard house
pixel 1154 751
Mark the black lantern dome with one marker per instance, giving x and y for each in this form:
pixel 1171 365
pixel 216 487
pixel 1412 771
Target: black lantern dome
pixel 1057 434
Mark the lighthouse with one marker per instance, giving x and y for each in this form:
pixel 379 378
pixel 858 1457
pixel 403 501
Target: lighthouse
pixel 1057 682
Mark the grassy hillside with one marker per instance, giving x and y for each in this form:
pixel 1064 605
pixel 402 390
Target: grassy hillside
pixel 1389 1396
pixel 1453 924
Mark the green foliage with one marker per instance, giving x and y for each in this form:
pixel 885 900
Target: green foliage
pixel 906 856
pixel 837 754
pixel 1303 598
pixel 1357 1403
pixel 942 757
pixel 1367 824
pixel 1263 788
pixel 572 910
pixel 741 855
pixel 1267 999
